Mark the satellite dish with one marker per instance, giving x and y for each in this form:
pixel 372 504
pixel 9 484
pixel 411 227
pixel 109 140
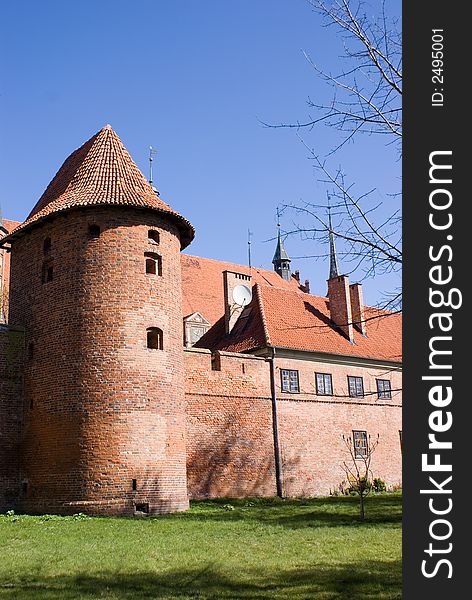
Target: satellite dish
pixel 242 295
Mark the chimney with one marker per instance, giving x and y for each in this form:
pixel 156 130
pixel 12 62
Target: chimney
pixel 306 287
pixel 232 279
pixel 340 304
pixel 296 275
pixel 357 307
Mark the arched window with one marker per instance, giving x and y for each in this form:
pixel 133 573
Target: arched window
pixel 47 245
pixel 154 236
pixel 94 232
pixel 153 263
pixel 154 338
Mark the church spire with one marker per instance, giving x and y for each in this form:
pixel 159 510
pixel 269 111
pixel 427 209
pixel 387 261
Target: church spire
pixel 281 260
pixel 333 259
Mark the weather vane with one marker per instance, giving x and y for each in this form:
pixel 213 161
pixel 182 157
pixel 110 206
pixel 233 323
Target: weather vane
pixel 152 153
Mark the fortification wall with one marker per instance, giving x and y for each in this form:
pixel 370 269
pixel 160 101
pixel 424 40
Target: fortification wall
pixel 11 412
pixel 229 426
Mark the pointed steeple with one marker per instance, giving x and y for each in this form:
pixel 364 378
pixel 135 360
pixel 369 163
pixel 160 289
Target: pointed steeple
pixel 333 259
pixel 102 172
pixel 281 260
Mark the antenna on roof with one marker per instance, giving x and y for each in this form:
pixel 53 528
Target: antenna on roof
pixel 152 153
pixel 249 236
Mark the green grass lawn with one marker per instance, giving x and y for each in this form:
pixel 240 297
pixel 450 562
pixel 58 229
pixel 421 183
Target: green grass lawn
pixel 227 549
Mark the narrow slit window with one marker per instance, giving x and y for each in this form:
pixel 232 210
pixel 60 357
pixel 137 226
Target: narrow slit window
pixel 47 272
pixel 134 485
pixel 47 245
pixel 154 338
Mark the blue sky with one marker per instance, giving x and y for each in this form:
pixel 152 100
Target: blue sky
pixel 193 79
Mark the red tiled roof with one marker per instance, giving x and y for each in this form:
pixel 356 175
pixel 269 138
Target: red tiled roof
pixel 102 172
pixel 9 225
pixel 302 321
pixel 281 316
pixel 202 284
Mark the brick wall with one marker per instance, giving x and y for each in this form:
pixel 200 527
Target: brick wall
pixel 101 409
pixel 311 426
pixel 229 425
pixel 11 361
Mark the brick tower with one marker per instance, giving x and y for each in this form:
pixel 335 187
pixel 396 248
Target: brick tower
pixel 96 284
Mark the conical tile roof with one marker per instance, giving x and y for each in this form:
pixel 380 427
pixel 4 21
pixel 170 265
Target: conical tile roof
pixel 101 172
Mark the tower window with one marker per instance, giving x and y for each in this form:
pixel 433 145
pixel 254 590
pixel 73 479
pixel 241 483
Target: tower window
pixel 94 232
pixel 30 351
pixel 134 485
pixel 47 245
pixel 155 338
pixel 47 272
pixel 153 263
pixel 154 236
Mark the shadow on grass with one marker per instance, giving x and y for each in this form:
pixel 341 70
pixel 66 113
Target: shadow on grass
pixel 368 580
pixel 296 514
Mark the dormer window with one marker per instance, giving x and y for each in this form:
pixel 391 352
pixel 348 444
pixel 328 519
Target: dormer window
pixel 195 327
pixel 154 236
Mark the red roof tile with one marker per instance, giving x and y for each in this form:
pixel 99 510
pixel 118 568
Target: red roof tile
pixel 101 172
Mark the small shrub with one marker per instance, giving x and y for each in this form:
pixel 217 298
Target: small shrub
pixel 379 485
pixel 80 517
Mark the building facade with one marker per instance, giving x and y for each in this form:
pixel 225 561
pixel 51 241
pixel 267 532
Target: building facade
pixel 134 377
